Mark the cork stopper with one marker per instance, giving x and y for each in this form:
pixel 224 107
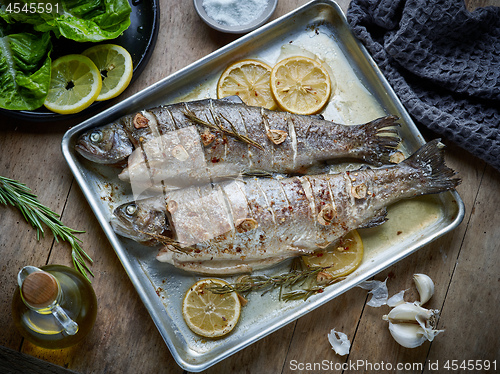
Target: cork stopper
pixel 40 289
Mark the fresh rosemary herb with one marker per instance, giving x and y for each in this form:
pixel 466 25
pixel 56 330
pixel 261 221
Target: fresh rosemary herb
pixel 20 196
pixel 217 126
pixel 294 278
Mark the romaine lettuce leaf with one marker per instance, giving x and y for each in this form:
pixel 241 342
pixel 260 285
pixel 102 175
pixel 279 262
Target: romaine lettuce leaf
pixel 24 69
pixel 79 20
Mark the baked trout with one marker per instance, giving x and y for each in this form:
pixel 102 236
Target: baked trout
pixel 245 225
pixel 234 138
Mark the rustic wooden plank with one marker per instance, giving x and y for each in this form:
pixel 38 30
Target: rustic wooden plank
pixel 470 312
pixel 36 161
pixel 310 350
pixel 13 362
pixel 265 356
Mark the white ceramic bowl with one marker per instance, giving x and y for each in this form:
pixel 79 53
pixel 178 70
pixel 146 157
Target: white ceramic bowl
pixel 240 29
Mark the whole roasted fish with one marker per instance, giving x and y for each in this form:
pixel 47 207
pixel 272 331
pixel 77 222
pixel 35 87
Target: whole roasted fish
pixel 240 226
pixel 235 138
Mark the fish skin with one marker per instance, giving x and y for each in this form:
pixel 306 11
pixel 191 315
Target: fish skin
pixel 290 213
pixel 309 139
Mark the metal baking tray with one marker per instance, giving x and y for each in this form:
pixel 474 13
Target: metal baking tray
pixel 361 92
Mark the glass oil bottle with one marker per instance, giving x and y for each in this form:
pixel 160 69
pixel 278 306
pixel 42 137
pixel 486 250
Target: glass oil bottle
pixel 54 306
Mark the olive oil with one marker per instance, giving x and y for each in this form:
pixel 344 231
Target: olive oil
pixel 38 322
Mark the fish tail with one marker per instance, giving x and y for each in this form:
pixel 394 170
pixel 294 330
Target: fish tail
pixel 429 160
pixel 382 138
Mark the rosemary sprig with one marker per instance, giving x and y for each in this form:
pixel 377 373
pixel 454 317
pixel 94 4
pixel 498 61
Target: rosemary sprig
pixel 217 126
pixel 294 278
pixel 34 212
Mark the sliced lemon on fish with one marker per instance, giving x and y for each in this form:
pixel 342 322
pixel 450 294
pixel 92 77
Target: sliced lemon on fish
pixel 300 85
pixel 248 79
pixel 75 83
pixel 209 314
pixel 341 259
pixel 116 67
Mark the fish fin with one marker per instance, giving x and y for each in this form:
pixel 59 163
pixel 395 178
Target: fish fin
pixel 382 139
pixel 380 218
pixel 429 159
pixel 232 99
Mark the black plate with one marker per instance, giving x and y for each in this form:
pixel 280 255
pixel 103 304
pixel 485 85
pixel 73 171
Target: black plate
pixel 139 40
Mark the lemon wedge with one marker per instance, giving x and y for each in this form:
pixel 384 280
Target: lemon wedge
pixel 116 67
pixel 209 314
pixel 300 85
pixel 341 260
pixel 75 83
pixel 249 79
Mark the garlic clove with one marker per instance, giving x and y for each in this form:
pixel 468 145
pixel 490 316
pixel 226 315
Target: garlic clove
pixel 425 287
pixel 408 335
pixel 409 312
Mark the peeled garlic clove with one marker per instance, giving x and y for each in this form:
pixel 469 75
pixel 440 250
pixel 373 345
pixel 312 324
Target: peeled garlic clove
pixel 409 312
pixel 408 335
pixel 425 287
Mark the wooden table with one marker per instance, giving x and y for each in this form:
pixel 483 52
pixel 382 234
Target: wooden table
pixel 463 263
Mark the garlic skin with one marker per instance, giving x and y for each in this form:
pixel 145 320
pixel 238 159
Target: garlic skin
pixel 425 287
pixel 396 299
pixel 379 292
pixel 340 342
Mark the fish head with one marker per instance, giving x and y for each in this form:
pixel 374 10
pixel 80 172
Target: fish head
pixel 105 145
pixel 145 221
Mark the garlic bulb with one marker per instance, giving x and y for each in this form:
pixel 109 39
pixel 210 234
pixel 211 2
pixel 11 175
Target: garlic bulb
pixel 411 325
pixel 425 287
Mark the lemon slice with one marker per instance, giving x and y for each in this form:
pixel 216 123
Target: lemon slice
pixel 75 83
pixel 300 85
pixel 116 67
pixel 209 314
pixel 249 79
pixel 341 260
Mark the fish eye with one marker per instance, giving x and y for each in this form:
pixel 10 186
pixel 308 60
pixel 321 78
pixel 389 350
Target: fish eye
pixel 131 209
pixel 96 136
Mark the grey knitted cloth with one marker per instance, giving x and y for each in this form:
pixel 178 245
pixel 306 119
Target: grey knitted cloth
pixel 443 62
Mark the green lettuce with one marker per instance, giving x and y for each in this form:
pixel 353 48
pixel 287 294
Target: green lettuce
pixel 79 20
pixel 25 62
pixel 24 69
